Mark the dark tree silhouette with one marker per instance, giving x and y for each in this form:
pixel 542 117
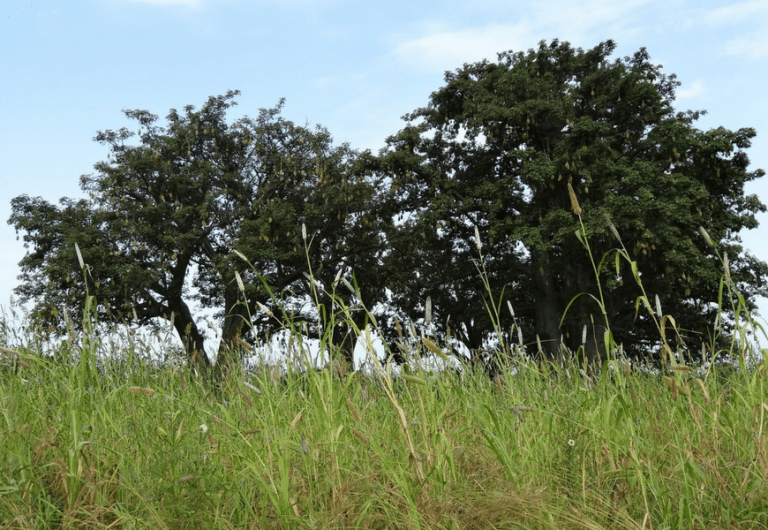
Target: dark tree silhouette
pixel 496 149
pixel 176 207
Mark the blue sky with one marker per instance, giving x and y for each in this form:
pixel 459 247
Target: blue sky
pixel 68 68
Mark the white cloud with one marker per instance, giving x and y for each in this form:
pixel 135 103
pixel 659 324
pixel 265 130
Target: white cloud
pixel 447 50
pixel 736 12
pixel 440 49
pixel 755 47
pixel 584 17
pixel 746 19
pixel 693 90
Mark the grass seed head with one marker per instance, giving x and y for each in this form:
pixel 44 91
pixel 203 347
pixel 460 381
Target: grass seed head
pixel 574 202
pixel 613 228
pixel 727 268
pixel 239 282
pixel 349 285
pixel 706 237
pixel 79 256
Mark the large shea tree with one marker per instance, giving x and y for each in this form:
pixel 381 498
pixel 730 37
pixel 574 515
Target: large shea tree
pixel 496 149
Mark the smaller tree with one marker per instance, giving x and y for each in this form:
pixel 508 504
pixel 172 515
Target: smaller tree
pixel 172 210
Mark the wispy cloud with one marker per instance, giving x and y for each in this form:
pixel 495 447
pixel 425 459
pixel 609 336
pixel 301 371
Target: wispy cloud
pixel 445 50
pixel 440 48
pixel 694 90
pixel 735 13
pixel 754 47
pixel 752 28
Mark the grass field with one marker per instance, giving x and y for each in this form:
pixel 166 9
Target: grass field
pixel 105 438
pixel 127 443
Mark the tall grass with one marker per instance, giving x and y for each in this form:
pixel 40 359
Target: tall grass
pixel 97 440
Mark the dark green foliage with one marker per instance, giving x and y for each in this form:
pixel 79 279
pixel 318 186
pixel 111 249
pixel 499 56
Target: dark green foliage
pixel 496 148
pixel 494 152
pixel 175 208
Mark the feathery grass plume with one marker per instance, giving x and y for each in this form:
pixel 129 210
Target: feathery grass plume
pixel 79 256
pixel 239 282
pixel 303 231
pixel 248 385
pixel 727 268
pixel 141 391
pixel 574 202
pixel 311 280
pixel 511 311
pixel 613 228
pixel 353 410
pixel 359 436
pixel 431 346
pixel 296 419
pixel 703 389
pixel 241 255
pixel 706 237
pixel 477 239
pixel 658 307
pixel 349 285
pixel 264 308
pixel 428 311
pixel 414 380
pixel 673 387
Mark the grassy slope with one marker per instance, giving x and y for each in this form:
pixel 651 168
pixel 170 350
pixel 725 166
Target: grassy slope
pixel 140 446
pixel 100 440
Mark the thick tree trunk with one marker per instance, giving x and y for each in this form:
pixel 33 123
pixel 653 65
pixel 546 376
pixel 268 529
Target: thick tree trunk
pixel 547 305
pixel 190 336
pixel 183 322
pixel 236 323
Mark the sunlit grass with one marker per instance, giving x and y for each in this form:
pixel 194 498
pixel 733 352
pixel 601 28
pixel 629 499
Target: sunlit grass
pixel 153 447
pixel 100 439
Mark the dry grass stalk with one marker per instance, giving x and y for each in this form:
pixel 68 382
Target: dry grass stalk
pixel 353 410
pixel 612 228
pixel 141 391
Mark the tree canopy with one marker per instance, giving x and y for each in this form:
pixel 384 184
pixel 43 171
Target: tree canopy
pixel 496 149
pixel 492 156
pixel 173 210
